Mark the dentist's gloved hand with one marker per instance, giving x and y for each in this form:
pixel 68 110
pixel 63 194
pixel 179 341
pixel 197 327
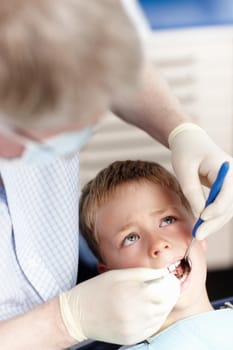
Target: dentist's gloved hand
pixel 120 306
pixel 196 160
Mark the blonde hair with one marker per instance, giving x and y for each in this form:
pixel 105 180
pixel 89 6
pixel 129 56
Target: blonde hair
pixel 63 59
pixel 99 190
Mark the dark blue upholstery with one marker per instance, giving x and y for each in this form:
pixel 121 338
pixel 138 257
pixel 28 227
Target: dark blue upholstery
pixel 222 303
pixel 87 261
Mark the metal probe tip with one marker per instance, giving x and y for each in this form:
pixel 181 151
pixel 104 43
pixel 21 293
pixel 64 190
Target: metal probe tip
pixel 186 255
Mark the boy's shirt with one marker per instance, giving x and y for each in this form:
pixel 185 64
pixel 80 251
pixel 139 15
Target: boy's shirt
pixel 206 331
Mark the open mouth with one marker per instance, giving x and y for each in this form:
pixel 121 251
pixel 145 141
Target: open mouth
pixel 180 269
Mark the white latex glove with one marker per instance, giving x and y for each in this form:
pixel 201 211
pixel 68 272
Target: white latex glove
pixel 196 160
pixel 118 306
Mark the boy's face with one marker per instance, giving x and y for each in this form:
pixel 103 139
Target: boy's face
pixel 146 225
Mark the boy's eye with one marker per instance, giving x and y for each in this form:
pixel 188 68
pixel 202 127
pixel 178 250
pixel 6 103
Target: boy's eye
pixel 130 239
pixel 168 220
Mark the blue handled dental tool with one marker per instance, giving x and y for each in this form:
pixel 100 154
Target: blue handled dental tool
pixel 214 191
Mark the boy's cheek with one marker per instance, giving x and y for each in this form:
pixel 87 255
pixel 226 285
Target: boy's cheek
pixel 201 246
pixel 204 244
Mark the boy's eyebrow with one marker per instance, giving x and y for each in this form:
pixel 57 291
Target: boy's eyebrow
pixel 154 212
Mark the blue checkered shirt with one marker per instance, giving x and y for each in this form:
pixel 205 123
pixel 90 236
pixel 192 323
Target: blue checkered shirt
pixel 38 234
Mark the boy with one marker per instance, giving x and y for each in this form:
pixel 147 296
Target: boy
pixel 134 214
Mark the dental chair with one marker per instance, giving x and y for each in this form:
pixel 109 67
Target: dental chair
pixel 223 303
pixel 87 266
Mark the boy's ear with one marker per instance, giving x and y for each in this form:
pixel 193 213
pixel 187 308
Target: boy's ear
pixel 101 267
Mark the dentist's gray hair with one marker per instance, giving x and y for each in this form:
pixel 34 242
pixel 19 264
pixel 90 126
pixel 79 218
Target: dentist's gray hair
pixel 62 60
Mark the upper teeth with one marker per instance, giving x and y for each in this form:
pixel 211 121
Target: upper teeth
pixel 172 267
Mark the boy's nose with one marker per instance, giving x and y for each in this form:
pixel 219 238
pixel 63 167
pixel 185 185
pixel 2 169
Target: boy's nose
pixel 158 246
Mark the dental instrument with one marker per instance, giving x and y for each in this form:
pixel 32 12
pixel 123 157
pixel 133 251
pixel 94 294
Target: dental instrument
pixel 214 191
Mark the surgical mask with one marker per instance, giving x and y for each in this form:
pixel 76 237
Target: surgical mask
pixel 61 146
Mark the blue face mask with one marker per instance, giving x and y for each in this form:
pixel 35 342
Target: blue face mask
pixel 61 146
